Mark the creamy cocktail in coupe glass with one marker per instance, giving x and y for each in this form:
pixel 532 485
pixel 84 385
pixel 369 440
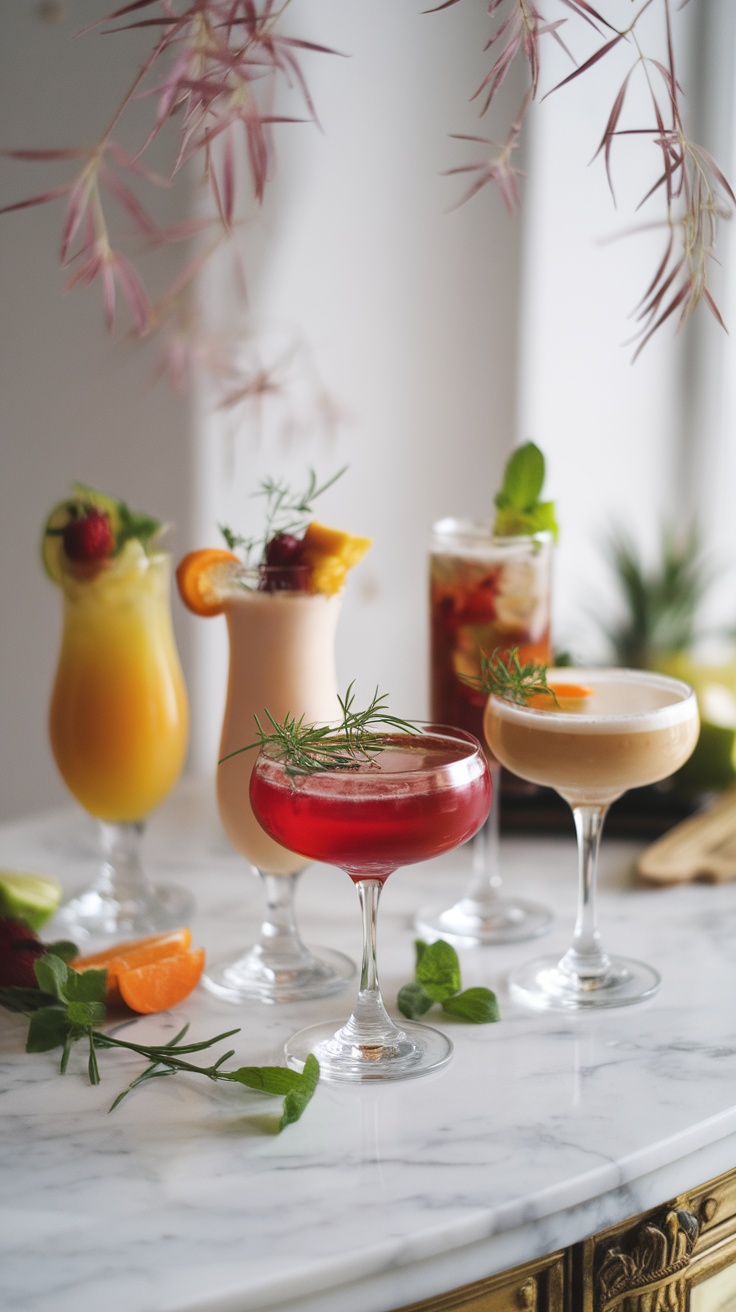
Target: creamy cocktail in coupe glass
pixel 281 621
pixel 419 795
pixel 488 591
pixel 609 730
pixel 119 715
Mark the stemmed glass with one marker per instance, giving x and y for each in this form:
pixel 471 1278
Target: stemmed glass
pixel 119 724
pixel 282 661
pixel 629 728
pixel 487 593
pixel 420 796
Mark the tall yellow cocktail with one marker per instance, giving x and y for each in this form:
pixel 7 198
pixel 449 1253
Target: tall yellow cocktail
pixel 119 717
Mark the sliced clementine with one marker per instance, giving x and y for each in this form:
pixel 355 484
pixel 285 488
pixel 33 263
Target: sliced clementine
pixel 330 553
pixel 133 954
pixel 163 983
pixel 564 692
pixel 200 576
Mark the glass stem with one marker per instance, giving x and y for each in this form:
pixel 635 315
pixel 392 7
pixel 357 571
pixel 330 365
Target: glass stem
pixel 279 936
pixel 121 877
pixel 370 1024
pixel 485 882
pixel 586 959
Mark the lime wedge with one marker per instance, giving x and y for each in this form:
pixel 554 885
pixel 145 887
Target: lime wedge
pixel 52 542
pixel 52 547
pixel 33 898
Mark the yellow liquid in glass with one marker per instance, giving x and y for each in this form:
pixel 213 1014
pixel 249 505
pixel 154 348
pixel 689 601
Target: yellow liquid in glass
pixel 119 720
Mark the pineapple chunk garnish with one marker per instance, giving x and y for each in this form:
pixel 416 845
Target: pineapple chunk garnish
pixel 329 553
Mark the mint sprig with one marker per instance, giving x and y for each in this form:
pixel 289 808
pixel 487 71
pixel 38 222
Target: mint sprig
pixel 437 980
pixel 518 507
pixel 69 1005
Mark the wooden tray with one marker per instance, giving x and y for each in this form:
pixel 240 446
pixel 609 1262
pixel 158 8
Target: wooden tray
pixel 703 847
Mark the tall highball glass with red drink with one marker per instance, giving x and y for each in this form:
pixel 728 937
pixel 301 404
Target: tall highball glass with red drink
pixel 487 593
pixel 419 795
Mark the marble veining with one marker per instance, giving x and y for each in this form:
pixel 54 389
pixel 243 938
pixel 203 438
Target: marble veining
pixel 542 1129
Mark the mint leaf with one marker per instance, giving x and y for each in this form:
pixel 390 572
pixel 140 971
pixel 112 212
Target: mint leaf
pixel 413 1001
pixel 52 974
pixel 523 478
pixel 296 1100
pixel 437 979
pixel 86 986
pixel 518 508
pixel 478 1006
pixel 437 969
pixel 86 1013
pixel 48 1028
pixel 64 949
pixel 268 1079
pixel 14 998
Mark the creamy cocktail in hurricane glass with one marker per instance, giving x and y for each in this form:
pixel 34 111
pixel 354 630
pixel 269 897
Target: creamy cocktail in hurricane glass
pixel 119 717
pixel 407 797
pixel 281 617
pixel 489 590
pixel 607 731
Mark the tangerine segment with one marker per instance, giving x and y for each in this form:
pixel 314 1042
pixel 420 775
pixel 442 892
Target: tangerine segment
pixel 161 984
pixel 564 692
pixel 329 553
pixel 197 579
pixel 129 956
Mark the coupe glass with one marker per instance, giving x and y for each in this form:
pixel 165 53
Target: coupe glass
pixel 486 592
pixel 635 728
pixel 282 660
pixel 422 795
pixel 119 725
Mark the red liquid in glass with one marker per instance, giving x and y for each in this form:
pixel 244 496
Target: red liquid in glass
pixel 490 598
pixel 423 796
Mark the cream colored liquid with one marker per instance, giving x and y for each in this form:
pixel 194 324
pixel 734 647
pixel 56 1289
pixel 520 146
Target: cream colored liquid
pixel 633 731
pixel 282 657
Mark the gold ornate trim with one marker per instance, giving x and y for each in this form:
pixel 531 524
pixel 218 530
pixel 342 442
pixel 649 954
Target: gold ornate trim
pixel 648 1258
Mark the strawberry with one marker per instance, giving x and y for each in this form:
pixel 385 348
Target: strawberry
pixel 20 947
pixel 90 537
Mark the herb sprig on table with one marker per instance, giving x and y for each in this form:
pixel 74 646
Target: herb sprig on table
pixel 68 1006
pixel 437 980
pixel 347 744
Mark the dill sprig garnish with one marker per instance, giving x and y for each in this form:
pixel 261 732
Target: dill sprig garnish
pixel 286 512
pixel 345 745
pixel 503 675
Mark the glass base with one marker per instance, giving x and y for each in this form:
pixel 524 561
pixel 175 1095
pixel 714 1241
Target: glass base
pixel 255 976
pixel 542 984
pixel 471 921
pixel 95 915
pixel 414 1050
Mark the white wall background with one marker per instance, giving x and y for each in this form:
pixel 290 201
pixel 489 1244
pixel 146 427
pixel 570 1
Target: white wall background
pixel 436 362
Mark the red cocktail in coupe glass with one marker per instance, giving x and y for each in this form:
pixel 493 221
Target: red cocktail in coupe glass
pixel 421 795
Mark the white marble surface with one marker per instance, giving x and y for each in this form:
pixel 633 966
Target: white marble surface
pixel 542 1129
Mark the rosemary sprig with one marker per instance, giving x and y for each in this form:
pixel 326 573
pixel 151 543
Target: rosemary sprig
pixel 347 745
pixel 286 512
pixel 68 1006
pixel 503 675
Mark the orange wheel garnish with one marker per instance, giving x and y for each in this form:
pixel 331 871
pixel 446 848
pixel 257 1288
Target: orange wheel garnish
pixel 133 954
pixel 161 984
pixel 564 692
pixel 194 577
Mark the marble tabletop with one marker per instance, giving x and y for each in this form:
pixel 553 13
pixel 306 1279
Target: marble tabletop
pixel 542 1129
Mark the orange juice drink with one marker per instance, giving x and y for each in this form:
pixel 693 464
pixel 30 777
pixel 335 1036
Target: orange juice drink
pixel 119 715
